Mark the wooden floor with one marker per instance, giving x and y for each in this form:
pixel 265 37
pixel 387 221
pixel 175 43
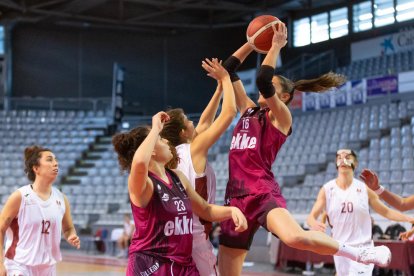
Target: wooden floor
pixel 78 264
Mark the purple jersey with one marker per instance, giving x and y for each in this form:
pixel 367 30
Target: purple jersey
pixel 253 149
pixel 164 227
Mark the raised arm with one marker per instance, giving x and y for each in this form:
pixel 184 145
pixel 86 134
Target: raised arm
pixel 400 203
pixel 8 214
pixel 211 212
pixel 203 141
pixel 139 189
pixel 209 113
pixel 384 211
pixel 317 210
pixel 232 64
pixel 279 112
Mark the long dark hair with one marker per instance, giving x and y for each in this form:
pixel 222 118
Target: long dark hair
pixel 173 127
pixel 171 131
pixel 320 84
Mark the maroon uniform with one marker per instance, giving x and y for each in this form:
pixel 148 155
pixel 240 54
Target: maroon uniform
pixel 252 186
pixel 162 241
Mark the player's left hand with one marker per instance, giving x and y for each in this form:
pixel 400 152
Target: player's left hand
pixel 74 241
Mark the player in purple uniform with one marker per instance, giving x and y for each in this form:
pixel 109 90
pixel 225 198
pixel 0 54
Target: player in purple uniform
pixel 160 202
pixel 257 138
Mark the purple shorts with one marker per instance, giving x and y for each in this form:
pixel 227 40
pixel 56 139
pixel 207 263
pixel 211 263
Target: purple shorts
pixel 255 208
pixel 143 264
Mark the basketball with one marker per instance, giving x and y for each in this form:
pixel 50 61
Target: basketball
pixel 259 32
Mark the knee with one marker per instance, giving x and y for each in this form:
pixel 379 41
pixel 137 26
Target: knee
pixel 297 240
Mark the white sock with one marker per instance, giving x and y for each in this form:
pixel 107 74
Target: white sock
pixel 347 251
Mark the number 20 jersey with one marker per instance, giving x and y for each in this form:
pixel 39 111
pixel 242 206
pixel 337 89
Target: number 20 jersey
pixel 348 212
pixel 33 237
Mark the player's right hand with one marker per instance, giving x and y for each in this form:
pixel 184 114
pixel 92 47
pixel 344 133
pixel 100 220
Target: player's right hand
pixel 319 226
pixel 159 119
pixel 239 219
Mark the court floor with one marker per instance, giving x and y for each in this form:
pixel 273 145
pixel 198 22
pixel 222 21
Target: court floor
pixel 79 264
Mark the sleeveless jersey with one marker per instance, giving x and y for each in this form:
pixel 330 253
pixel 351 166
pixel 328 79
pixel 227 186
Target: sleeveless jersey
pixel 253 149
pixel 163 229
pixel 204 184
pixel 348 213
pixel 33 238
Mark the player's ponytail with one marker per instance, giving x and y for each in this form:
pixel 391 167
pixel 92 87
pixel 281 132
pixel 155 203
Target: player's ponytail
pixel 320 84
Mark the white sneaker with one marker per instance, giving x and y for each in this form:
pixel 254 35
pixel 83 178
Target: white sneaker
pixel 378 255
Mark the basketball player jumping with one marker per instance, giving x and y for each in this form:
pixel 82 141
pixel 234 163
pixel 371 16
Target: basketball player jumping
pixel 257 138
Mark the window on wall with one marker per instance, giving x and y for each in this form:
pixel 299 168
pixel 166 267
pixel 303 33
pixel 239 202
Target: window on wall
pixel 338 23
pixel 1 40
pixel 319 27
pixel 301 32
pixel 362 16
pixel 405 10
pixel 383 12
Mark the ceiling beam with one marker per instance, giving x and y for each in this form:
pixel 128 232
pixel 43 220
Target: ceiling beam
pixel 204 5
pixel 158 13
pixel 11 4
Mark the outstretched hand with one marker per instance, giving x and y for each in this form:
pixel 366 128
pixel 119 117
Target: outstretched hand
pixel 370 178
pixel 214 69
pixel 159 119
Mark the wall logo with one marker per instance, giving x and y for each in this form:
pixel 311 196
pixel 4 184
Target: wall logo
pixel 387 46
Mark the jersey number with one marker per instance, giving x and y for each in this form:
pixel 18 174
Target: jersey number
pixel 347 207
pixel 180 205
pixel 245 123
pixel 45 226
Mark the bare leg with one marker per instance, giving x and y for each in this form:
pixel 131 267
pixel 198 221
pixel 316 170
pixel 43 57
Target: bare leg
pixel 281 223
pixel 231 260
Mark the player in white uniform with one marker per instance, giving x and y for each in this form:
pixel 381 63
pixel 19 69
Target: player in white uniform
pixel 33 219
pixel 346 201
pixel 192 147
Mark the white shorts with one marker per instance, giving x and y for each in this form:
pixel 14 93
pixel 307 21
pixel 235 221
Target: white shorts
pixel 16 269
pixel 203 256
pixel 347 267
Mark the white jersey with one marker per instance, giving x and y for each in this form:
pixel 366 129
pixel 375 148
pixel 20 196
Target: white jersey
pixel 202 252
pixel 186 166
pixel 33 237
pixel 348 213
